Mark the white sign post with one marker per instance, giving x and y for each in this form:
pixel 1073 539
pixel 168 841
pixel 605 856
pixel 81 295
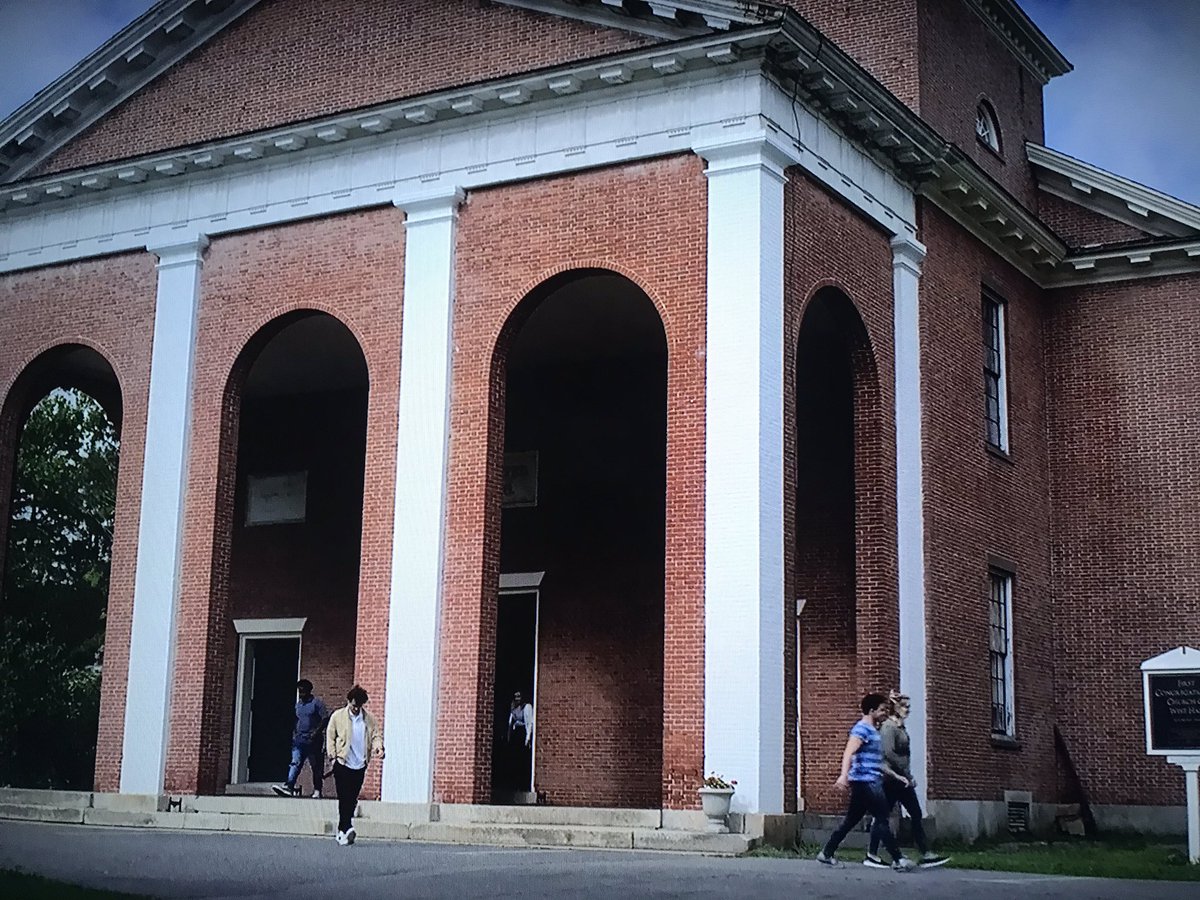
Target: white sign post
pixel 1171 690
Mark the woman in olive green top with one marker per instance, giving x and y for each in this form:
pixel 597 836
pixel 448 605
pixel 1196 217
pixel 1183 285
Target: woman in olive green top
pixel 899 786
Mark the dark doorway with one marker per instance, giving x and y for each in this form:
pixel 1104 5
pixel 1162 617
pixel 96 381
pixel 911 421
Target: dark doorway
pixel 274 665
pixel 516 671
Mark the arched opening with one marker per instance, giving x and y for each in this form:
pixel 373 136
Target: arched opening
pixel 287 543
pixel 584 364
pixel 838 550
pixel 59 444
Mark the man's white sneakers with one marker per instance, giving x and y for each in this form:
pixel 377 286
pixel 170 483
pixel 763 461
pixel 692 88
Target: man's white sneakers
pixel 341 839
pixel 351 834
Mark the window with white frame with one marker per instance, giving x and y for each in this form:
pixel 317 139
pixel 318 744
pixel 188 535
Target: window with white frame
pixel 995 379
pixel 986 128
pixel 1000 652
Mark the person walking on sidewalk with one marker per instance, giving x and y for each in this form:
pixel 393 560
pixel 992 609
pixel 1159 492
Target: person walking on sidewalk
pixel 862 775
pixel 899 786
pixel 352 740
pixel 308 741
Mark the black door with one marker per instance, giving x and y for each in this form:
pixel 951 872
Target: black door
pixel 273 666
pixel 516 625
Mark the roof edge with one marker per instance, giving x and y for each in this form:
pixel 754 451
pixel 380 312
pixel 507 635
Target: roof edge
pixel 1021 35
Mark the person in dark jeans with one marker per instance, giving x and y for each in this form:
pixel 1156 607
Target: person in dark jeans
pixel 352 740
pixel 899 786
pixel 862 775
pixel 308 740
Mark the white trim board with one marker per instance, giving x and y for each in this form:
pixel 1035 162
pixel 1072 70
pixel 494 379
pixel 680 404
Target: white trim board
pixel 521 581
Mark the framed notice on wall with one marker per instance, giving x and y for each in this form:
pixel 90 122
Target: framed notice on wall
pixel 276 499
pixel 1171 684
pixel 520 479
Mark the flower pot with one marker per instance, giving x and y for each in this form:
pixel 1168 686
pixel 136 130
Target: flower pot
pixel 715 802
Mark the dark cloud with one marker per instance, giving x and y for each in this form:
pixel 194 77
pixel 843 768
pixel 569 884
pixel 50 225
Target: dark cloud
pixel 1132 105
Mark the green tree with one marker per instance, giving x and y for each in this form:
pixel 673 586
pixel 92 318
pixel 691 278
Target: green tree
pixel 52 615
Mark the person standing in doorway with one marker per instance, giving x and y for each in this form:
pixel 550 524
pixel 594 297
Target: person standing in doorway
pixel 352 740
pixel 520 741
pixel 308 740
pixel 899 786
pixel 862 775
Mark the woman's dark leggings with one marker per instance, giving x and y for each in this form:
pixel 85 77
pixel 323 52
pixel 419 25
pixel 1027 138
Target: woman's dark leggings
pixel 349 782
pixel 894 793
pixel 866 797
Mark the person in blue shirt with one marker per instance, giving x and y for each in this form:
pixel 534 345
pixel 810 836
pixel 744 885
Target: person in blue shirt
pixel 308 740
pixel 862 775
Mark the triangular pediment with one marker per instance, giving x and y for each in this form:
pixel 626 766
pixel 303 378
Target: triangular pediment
pixel 1181 659
pixel 108 91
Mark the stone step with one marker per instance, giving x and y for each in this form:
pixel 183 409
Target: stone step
pixel 272 806
pixel 210 821
pixel 398 813
pixel 497 835
pixel 694 842
pixel 33 797
pixel 32 812
pixel 573 816
pixel 127 802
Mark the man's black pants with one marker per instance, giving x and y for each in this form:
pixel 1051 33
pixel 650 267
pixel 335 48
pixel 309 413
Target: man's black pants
pixel 349 783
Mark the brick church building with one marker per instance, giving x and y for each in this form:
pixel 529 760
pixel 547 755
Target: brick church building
pixel 691 367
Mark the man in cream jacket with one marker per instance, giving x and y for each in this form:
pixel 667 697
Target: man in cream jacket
pixel 352 739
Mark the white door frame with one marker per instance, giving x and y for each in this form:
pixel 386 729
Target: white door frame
pixel 253 630
pixel 799 712
pixel 513 584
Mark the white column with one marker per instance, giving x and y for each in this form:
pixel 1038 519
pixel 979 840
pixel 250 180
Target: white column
pixel 160 528
pixel 907 255
pixel 743 474
pixel 418 537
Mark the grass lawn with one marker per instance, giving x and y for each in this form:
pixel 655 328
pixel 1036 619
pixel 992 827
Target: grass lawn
pixel 34 887
pixel 1110 857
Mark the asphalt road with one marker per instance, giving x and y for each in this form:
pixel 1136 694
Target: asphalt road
pixel 221 865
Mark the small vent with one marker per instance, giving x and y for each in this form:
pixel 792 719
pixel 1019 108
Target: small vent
pixel 1018 805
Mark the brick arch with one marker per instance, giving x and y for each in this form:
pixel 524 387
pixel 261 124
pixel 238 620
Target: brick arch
pixel 219 703
pixel 849 634
pixel 40 373
pixel 516 315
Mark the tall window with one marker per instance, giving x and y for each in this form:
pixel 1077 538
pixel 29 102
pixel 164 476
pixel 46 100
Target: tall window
pixel 1000 653
pixel 994 379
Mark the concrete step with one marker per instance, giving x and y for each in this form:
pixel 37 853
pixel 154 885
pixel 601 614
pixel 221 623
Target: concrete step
pixel 32 812
pixel 209 821
pixel 398 813
pixel 573 816
pixel 271 806
pixel 32 797
pixel 128 802
pixel 694 842
pixel 581 836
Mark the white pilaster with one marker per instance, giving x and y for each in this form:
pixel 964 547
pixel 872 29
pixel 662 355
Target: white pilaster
pixel 160 528
pixel 743 472
pixel 907 255
pixel 418 537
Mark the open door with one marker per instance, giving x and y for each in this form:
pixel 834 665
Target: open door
pixel 516 673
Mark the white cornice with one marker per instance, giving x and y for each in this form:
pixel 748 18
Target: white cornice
pixel 1111 195
pixel 667 20
pixel 131 59
pixel 1022 37
pixel 1128 262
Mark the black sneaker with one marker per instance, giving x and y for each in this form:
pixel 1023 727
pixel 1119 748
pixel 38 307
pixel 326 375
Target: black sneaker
pixel 282 790
pixel 874 862
pixel 832 861
pixel 932 861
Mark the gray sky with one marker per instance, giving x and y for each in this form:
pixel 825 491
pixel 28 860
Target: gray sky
pixel 1132 105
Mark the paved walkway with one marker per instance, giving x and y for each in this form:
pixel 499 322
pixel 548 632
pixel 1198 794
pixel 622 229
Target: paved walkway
pixel 178 864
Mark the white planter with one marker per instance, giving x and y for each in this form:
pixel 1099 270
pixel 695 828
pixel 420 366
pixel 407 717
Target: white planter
pixel 715 802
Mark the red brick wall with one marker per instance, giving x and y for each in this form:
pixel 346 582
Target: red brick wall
pixel 880 35
pixel 351 267
pixel 1081 227
pixel 597 532
pixel 106 304
pixel 849 643
pixel 962 61
pixel 977 504
pixel 1122 375
pixel 300 570
pixel 290 60
pixel 645 222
